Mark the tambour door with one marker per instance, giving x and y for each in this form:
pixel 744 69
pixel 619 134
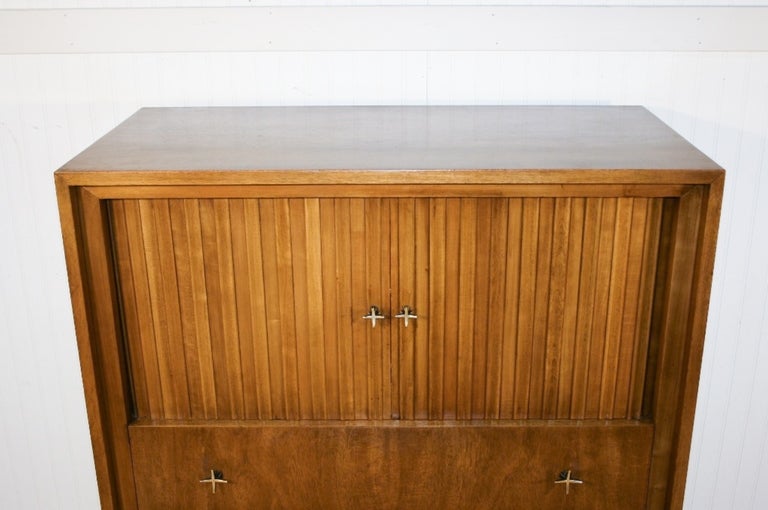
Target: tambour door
pixel 528 308
pixel 240 309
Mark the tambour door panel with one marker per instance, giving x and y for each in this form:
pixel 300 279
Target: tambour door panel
pixel 403 467
pixel 529 308
pixel 251 308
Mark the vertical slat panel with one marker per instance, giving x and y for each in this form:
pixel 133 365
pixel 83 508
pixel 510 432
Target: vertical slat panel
pixel 481 309
pixel 615 310
pixel 163 295
pixel 437 297
pixel 315 307
pixel 210 242
pixel 391 218
pixel 251 307
pixel 362 330
pixel 200 313
pixel 495 312
pixel 350 325
pixel 387 352
pixel 298 261
pixel 526 306
pixel 131 307
pixel 575 258
pixel 451 310
pixel 406 251
pixel 422 325
pixel 600 307
pixel 375 275
pixel 217 250
pixel 231 340
pixel 466 309
pixel 631 298
pixel 640 365
pixel 332 313
pixel 514 279
pixel 541 308
pixel 257 313
pixel 152 343
pixel 244 308
pixel 586 300
pixel 275 339
pixel 556 357
pixel 145 342
pixel 198 365
pixel 286 306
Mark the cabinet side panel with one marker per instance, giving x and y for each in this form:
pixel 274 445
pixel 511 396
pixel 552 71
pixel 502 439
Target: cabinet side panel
pixel 109 369
pixel 69 204
pixel 673 334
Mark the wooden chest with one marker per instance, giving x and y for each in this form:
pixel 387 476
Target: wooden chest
pixel 390 307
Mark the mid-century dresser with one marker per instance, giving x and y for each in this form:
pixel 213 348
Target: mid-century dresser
pixel 390 307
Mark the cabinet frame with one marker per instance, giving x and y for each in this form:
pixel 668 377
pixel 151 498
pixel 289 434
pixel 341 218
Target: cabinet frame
pixel 692 222
pixel 415 151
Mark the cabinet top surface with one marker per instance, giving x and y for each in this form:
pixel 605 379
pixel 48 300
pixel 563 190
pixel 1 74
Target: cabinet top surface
pixel 391 138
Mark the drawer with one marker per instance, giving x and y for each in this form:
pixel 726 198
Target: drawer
pixel 399 466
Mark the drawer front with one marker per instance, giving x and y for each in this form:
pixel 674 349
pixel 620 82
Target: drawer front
pixel 493 466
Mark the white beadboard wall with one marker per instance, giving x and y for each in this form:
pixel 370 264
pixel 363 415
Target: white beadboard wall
pixel 55 103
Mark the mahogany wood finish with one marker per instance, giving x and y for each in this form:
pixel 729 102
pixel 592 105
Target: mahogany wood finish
pixel 558 260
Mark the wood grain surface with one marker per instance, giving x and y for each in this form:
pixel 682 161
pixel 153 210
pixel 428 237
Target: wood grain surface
pixel 166 140
pixel 527 308
pixel 404 467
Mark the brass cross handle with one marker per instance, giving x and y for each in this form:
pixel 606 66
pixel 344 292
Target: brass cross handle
pixel 405 314
pixel 374 315
pixel 565 477
pixel 216 478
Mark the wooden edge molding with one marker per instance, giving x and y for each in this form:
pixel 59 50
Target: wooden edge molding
pixel 392 190
pixel 625 177
pixel 88 269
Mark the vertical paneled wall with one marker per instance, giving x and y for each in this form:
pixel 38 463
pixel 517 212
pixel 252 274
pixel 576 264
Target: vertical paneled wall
pixel 54 105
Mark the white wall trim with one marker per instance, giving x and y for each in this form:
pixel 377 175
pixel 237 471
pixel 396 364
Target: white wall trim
pixel 383 28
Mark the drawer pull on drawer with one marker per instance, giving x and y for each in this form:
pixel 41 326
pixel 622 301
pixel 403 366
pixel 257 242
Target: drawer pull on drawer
pixel 374 315
pixel 216 478
pixel 565 478
pixel 405 314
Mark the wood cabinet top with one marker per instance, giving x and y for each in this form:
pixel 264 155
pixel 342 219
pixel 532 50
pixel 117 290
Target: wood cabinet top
pixel 535 139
